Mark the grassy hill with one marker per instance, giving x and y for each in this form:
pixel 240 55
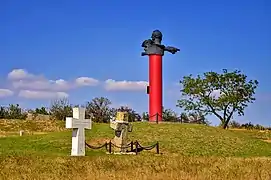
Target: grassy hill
pixel 187 152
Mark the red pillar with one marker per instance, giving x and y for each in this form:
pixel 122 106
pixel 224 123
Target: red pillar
pixel 155 50
pixel 155 87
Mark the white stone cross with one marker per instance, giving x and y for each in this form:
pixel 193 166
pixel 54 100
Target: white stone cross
pixel 78 123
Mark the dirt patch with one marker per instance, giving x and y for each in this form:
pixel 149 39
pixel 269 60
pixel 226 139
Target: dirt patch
pixel 31 125
pixel 9 134
pixel 267 140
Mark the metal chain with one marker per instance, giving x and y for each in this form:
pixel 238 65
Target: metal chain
pixel 136 143
pixel 97 147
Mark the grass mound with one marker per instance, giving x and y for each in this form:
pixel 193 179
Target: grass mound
pixel 188 152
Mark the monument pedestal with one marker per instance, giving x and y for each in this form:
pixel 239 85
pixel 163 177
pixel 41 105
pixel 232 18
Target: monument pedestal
pixel 121 127
pixel 122 153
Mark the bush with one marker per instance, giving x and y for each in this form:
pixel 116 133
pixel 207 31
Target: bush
pixel 41 110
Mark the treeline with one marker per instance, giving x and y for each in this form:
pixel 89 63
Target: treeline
pixel 170 116
pixel 249 126
pixel 99 110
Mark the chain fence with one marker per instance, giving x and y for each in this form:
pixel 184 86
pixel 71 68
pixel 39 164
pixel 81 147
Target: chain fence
pixel 134 146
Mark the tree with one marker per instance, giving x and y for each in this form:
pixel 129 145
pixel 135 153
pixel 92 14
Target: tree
pixel 3 112
pixel 234 124
pixel 184 118
pixel 197 118
pixel 14 111
pixel 60 109
pixel 219 94
pixel 170 115
pixel 41 110
pixel 259 127
pixel 99 109
pixel 194 118
pixel 145 116
pixel 247 126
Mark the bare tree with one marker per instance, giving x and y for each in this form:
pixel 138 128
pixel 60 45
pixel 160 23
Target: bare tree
pixel 60 109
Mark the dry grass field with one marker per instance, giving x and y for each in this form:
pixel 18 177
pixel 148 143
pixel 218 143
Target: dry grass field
pixel 187 152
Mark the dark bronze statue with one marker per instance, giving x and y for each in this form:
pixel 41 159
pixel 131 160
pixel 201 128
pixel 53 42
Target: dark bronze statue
pixel 154 46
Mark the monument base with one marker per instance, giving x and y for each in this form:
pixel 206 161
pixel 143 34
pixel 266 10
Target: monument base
pixel 77 155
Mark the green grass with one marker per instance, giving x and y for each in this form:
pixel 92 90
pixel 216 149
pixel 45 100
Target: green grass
pixel 188 140
pixel 187 152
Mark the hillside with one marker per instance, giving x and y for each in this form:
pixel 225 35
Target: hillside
pixel 188 152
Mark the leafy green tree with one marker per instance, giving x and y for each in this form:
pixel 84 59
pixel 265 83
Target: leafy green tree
pixel 145 116
pixel 184 117
pixel 234 124
pixel 259 127
pixel 60 109
pixel 248 126
pixel 14 111
pixel 3 112
pixel 169 115
pixel 194 118
pixel 99 109
pixel 219 94
pixel 41 110
pixel 197 118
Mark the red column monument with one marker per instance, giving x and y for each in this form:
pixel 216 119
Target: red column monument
pixel 155 50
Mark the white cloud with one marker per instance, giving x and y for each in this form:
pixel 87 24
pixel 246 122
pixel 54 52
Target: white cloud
pixel 86 81
pixel 21 79
pixel 19 74
pixel 57 85
pixel 5 93
pixel 42 94
pixel 112 85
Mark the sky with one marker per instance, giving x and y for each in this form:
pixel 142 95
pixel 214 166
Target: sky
pixel 84 49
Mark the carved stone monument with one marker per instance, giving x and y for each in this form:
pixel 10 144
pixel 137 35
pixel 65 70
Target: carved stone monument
pixel 78 123
pixel 121 126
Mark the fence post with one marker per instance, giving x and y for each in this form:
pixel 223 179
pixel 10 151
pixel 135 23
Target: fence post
pixel 106 146
pixel 136 147
pixel 132 146
pixel 157 148
pixel 110 150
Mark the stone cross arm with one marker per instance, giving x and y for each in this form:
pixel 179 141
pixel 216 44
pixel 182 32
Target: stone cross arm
pixel 78 123
pixel 78 120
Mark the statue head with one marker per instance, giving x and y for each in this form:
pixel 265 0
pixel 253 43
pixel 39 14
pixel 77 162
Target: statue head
pixel 122 116
pixel 157 36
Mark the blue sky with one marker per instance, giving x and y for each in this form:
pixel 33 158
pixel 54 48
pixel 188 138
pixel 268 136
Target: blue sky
pixel 101 40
